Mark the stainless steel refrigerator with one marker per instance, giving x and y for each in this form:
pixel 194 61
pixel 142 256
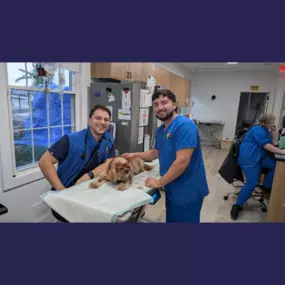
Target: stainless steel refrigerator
pixel 128 124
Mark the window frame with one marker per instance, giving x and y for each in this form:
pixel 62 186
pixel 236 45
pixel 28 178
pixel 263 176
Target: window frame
pixel 32 173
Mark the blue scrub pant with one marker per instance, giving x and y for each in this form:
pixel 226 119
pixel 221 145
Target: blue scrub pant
pixel 180 213
pixel 252 174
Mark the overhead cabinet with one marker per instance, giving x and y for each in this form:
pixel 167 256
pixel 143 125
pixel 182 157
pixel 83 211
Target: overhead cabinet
pixel 117 70
pixel 139 71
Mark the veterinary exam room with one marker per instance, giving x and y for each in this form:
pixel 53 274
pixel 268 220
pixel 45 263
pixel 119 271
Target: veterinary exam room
pixel 142 142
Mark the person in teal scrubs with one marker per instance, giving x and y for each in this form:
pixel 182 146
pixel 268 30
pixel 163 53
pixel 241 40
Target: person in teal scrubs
pixel 181 163
pixel 257 152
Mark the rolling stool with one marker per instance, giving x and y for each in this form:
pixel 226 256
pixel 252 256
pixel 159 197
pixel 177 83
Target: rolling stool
pixel 256 195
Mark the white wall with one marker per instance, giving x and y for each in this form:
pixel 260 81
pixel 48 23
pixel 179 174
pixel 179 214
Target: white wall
pixel 227 87
pixel 23 203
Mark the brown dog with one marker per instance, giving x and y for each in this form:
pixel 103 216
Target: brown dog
pixel 121 170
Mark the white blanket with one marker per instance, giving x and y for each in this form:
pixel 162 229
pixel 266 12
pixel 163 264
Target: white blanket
pixel 105 204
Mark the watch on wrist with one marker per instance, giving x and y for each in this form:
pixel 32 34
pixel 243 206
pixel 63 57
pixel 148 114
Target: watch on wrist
pixel 91 174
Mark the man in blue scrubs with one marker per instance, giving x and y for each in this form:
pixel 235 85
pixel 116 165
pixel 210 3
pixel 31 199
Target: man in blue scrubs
pixel 181 163
pixel 81 155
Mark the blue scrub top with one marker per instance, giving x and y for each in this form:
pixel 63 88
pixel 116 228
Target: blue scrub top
pixel 252 150
pixel 60 151
pixel 182 133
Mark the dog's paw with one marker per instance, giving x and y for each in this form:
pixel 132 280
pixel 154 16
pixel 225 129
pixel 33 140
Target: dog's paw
pixel 94 185
pixel 123 187
pixel 148 167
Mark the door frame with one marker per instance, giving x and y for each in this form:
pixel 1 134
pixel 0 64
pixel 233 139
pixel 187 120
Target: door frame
pixel 266 103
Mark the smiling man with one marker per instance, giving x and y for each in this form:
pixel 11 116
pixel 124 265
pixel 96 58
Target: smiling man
pixel 180 158
pixel 81 155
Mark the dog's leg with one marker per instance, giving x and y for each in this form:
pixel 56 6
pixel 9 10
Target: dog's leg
pixel 147 167
pixel 102 178
pixel 96 184
pixel 125 185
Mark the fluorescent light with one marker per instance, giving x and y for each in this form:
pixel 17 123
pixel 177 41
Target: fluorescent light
pixel 232 63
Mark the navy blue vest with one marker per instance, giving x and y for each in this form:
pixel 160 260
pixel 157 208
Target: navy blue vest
pixel 73 164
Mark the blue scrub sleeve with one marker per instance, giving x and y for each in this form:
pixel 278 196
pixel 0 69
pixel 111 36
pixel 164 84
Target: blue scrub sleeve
pixel 156 141
pixel 261 137
pixel 60 149
pixel 186 136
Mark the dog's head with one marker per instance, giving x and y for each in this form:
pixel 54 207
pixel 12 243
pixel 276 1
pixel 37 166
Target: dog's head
pixel 120 169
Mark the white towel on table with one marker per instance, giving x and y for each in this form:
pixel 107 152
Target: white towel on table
pixel 105 204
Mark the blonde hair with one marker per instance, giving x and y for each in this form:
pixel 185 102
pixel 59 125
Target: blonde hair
pixel 266 119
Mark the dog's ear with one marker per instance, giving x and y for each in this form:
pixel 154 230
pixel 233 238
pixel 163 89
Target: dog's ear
pixel 109 165
pixel 111 172
pixel 113 176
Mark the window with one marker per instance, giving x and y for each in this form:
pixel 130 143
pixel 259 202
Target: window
pixel 22 74
pixel 37 118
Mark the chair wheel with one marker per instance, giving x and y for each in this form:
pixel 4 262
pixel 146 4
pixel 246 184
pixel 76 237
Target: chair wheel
pixel 226 198
pixel 264 210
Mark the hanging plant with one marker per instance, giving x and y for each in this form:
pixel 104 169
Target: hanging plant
pixel 39 75
pixel 32 75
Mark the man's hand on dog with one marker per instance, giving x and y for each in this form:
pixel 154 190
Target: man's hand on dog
pixel 128 155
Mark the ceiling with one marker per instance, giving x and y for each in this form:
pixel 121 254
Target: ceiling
pixel 222 66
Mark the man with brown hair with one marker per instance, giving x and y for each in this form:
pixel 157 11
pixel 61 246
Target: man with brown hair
pixel 79 153
pixel 181 164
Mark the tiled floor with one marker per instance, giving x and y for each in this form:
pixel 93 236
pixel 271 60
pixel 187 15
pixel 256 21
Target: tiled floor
pixel 215 208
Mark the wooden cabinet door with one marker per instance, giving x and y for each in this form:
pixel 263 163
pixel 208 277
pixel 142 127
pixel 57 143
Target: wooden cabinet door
pixel 119 70
pixel 135 69
pixel 181 88
pixel 114 70
pixel 100 70
pixel 188 92
pixel 148 69
pixel 162 77
pixel 175 87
